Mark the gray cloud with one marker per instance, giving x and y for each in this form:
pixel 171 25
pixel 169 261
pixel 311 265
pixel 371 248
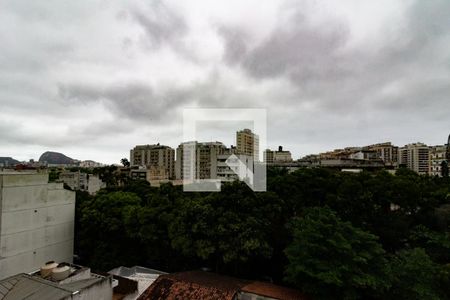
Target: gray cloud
pixel 161 24
pixel 133 101
pixel 81 76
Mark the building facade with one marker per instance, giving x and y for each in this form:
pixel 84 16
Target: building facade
pixel 437 157
pixel 386 152
pixel 415 157
pixel 280 156
pixel 247 143
pixel 79 181
pixel 75 180
pixel 197 160
pixel 159 157
pixel 36 222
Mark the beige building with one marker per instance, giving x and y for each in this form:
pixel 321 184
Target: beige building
pixel 279 156
pixel 36 222
pixel 385 151
pixel 437 156
pixel 159 158
pixel 247 143
pixel 415 157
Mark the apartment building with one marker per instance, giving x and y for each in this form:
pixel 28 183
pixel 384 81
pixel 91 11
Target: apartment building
pixel 79 181
pixel 75 180
pixel 36 222
pixel 415 157
pixel 279 156
pixel 386 152
pixel 197 160
pixel 156 157
pixel 247 143
pixel 437 157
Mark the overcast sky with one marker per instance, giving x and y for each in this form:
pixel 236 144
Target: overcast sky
pixel 92 79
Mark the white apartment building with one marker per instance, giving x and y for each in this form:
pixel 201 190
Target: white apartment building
pixel 415 157
pixel 36 222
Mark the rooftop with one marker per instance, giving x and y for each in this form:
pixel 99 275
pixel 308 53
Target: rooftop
pixel 25 286
pixel 211 286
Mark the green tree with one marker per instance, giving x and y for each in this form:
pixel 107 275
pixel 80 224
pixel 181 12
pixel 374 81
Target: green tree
pixel 221 229
pixel 125 162
pixel 415 276
pixel 332 259
pixel 104 241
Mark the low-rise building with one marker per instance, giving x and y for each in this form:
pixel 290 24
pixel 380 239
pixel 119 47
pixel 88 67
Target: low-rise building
pixel 280 156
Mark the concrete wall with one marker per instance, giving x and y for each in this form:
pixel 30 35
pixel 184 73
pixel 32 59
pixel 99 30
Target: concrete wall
pixel 36 222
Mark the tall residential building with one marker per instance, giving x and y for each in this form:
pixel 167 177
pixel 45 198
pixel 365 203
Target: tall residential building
pixel 437 156
pixel 36 222
pixel 247 143
pixel 415 157
pixel 203 154
pixel 385 151
pixel 279 156
pixel 159 157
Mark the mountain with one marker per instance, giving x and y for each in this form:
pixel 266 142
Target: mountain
pixel 8 161
pixel 55 158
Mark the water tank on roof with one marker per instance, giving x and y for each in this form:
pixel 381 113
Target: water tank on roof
pixel 61 272
pixel 47 269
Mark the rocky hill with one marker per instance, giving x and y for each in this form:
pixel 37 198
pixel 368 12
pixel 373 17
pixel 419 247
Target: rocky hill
pixel 55 158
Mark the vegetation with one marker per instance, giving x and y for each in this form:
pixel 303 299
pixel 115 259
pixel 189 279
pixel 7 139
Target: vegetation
pixel 330 234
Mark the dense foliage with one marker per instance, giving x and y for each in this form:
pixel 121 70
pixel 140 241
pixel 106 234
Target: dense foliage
pixel 330 234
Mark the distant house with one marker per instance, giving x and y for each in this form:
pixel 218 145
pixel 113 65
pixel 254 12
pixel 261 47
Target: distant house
pixel 211 286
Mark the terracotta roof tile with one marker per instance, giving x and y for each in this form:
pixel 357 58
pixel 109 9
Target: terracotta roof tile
pixel 210 286
pixel 273 291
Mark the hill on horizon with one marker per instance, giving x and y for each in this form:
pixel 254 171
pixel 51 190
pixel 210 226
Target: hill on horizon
pixel 8 161
pixel 55 158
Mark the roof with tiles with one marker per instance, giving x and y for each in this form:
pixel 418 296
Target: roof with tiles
pixel 211 286
pixel 273 291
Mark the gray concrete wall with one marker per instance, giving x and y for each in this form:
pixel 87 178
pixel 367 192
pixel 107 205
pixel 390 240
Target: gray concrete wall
pixel 36 223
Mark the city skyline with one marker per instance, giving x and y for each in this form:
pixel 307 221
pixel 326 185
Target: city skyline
pixel 90 79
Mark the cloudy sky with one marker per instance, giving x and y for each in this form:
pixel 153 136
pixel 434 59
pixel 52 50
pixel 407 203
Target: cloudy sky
pixel 91 79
